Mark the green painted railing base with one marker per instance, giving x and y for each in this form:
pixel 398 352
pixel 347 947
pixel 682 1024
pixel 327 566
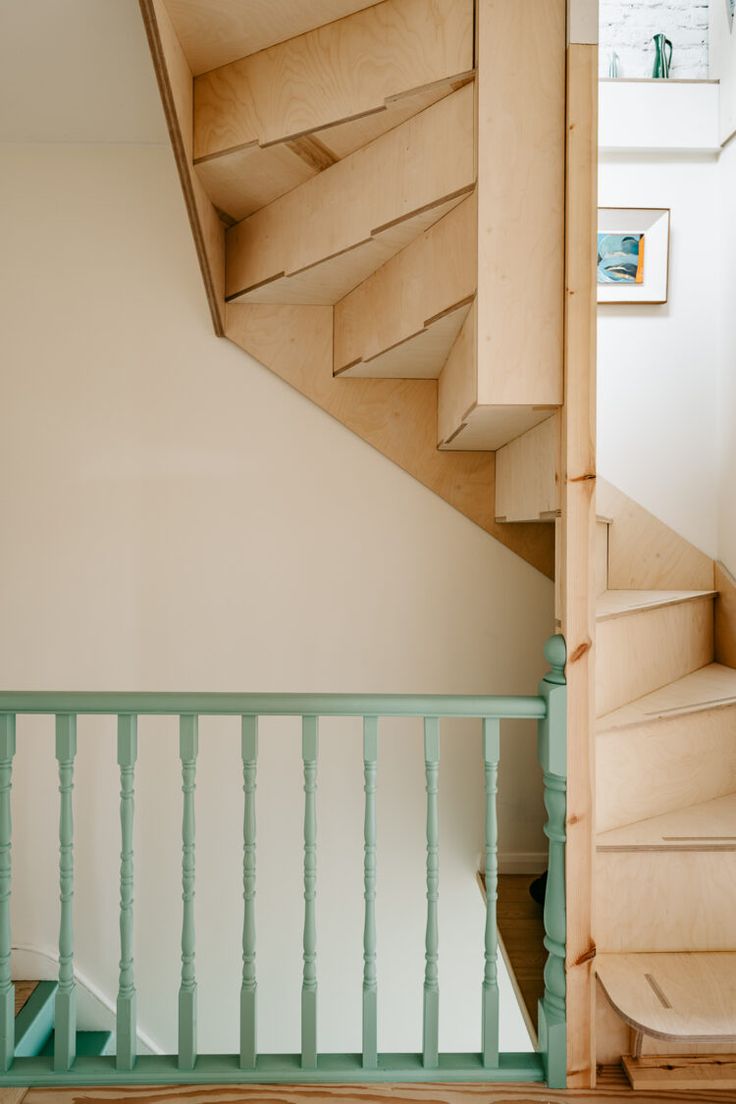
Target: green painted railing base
pixel 224 1069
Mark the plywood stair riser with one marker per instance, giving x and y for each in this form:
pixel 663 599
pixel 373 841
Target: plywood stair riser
pixel 323 77
pixel 347 214
pixel 528 475
pixel 649 647
pixel 403 320
pixel 725 616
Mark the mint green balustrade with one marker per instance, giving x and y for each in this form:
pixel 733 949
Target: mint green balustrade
pixel 430 1032
pixel 7 989
pixel 188 747
pixel 553 759
pixel 309 982
pixel 308 1067
pixel 65 1015
pixel 370 981
pixel 126 1007
pixel 249 748
pixel 489 1022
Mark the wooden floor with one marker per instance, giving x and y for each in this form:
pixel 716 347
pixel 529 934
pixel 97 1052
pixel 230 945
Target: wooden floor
pixel 522 931
pixel 612 1088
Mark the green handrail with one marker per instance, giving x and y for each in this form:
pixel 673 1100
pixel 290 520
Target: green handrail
pixel 310 1066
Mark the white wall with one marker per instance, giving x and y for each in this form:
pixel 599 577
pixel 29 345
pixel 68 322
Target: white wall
pixel 722 64
pixel 727 363
pixel 657 365
pixel 175 517
pixel 628 26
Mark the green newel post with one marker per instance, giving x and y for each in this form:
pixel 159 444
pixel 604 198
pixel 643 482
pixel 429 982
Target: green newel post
pixel 188 747
pixel 248 1050
pixel 309 982
pixel 126 1007
pixel 552 746
pixel 7 989
pixel 370 984
pixel 430 1046
pixel 491 754
pixel 65 1018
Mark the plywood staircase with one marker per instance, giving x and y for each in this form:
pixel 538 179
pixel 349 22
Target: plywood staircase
pixel 665 767
pixel 377 194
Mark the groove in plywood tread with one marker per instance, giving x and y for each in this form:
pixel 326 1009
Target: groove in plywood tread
pixel 683 1074
pixel 707 826
pixel 676 996
pixel 617 603
pixel 710 687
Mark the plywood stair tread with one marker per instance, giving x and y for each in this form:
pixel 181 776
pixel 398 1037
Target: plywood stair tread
pixel 677 996
pixel 618 603
pixel 707 826
pixel 710 687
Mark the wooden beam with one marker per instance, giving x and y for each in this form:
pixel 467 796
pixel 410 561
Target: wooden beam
pixel 414 292
pixel 576 568
pixel 345 70
pixel 520 136
pixel 396 417
pixel 412 172
pixel 175 84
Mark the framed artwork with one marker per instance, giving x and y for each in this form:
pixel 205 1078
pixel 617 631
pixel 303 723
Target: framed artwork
pixel 633 254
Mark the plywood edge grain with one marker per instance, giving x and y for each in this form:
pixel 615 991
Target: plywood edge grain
pixel 172 74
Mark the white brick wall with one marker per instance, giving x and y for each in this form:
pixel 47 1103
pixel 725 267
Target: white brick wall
pixel 627 26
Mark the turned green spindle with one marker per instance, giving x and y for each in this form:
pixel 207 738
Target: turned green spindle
pixel 370 984
pixel 249 748
pixel 7 989
pixel 126 1007
pixel 553 759
pixel 188 747
pixel 430 1045
pixel 491 753
pixel 309 983
pixel 65 1015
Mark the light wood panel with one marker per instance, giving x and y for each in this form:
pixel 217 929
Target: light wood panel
pixel 489 427
pixel 708 687
pixel 521 130
pixel 434 275
pixel 674 900
pixel 416 167
pixel 347 69
pixel 684 1074
pixel 528 474
pixel 397 417
pixel 639 652
pixel 328 281
pixel 707 827
pixel 577 538
pixel 458 380
pixel 216 32
pixel 677 996
pixel 661 765
pixel 644 553
pixel 423 355
pixel 613 1088
pixel 621 603
pixel 175 87
pixel 725 616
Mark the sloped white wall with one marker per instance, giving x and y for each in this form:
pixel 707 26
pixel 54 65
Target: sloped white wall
pixel 175 517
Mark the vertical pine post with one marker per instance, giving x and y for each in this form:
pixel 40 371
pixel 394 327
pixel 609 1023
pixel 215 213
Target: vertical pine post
pixel 249 747
pixel 65 1019
pixel 553 759
pixel 370 987
pixel 126 1006
pixel 188 747
pixel 491 753
pixel 309 984
pixel 7 989
pixel 430 1045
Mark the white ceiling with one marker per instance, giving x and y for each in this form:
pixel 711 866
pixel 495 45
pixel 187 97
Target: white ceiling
pixel 76 71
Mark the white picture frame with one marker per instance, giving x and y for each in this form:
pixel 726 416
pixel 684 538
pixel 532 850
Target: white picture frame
pixel 654 224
